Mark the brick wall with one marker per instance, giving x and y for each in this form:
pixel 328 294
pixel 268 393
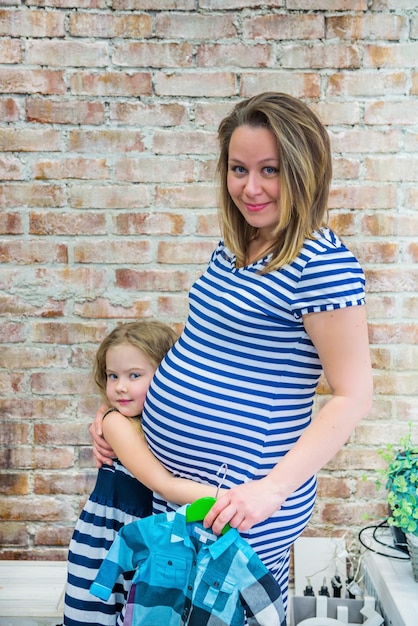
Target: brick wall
pixel 108 209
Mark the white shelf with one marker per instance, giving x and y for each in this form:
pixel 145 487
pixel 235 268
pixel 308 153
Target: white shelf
pixel 32 589
pixel 395 588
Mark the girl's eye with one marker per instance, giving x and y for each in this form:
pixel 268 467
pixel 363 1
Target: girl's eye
pixel 111 376
pixel 134 376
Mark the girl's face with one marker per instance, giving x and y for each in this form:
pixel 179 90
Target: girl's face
pixel 129 374
pixel 253 177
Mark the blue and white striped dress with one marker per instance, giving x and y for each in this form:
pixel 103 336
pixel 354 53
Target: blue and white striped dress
pixel 238 386
pixel 117 499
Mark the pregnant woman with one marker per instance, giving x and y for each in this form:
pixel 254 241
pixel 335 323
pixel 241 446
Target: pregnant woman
pixel 281 301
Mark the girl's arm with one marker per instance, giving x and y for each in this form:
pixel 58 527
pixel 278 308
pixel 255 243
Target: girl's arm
pixel 103 453
pixel 132 450
pixel 341 340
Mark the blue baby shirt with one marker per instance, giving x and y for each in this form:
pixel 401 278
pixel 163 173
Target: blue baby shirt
pixel 185 575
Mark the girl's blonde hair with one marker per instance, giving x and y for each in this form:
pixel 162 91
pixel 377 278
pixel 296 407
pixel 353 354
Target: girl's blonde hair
pixel 153 338
pixel 305 171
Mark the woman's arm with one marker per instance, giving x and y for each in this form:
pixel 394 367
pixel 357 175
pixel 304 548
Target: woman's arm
pixel 132 450
pixel 341 339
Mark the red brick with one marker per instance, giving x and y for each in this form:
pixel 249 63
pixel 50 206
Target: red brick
pixel 25 357
pixel 376 252
pixel 54 536
pixel 239 55
pixel 363 197
pixel 11 332
pixel 327 5
pixel 13 432
pixel 193 252
pixel 49 483
pixel 237 4
pixel 67 333
pixel 152 280
pixel 14 483
pixel 192 26
pixel 195 84
pixel 392 333
pixel 32 81
pixel 280 26
pixel 149 224
pixel 30 252
pixel 49 223
pixel 10 51
pixel 106 141
pixel 103 309
pixel 330 487
pixel 368 140
pixel 156 169
pixel 64 434
pixel 144 5
pixel 391 55
pixel 9 110
pixel 66 53
pixel 349 513
pixel 126 252
pixel 149 114
pixel 30 408
pixel 392 279
pixel 32 23
pixel 64 112
pixel 320 56
pixel 10 223
pixel 172 307
pixel 36 509
pixel 337 113
pixel 208 225
pixel 111 84
pixel 110 25
pixel 192 196
pixel 29 140
pixel 151 54
pixel 382 112
pixel 366 83
pixel 366 27
pixel 108 196
pixel 298 84
pixel 14 534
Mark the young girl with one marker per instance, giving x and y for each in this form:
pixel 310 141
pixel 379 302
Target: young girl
pixel 124 366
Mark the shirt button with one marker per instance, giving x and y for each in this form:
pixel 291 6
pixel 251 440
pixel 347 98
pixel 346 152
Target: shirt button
pixel 169 562
pixel 216 584
pixel 190 587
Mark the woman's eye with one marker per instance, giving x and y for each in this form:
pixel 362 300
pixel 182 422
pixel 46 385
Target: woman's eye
pixel 270 170
pixel 238 169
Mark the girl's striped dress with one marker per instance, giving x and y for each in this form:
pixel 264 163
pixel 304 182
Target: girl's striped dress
pixel 238 387
pixel 117 499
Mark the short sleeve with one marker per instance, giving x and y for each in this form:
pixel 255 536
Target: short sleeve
pixel 332 278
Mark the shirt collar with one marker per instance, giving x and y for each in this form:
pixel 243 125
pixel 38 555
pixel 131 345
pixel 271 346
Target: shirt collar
pixel 180 532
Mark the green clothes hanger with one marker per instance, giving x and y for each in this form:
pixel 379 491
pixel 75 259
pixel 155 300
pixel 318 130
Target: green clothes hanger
pixel 197 510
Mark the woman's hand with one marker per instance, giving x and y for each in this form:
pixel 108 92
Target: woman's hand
pixel 243 506
pixel 103 453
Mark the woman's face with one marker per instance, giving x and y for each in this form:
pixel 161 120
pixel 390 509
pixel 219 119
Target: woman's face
pixel 253 177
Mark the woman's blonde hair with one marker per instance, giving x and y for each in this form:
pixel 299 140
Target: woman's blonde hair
pixel 153 338
pixel 305 171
